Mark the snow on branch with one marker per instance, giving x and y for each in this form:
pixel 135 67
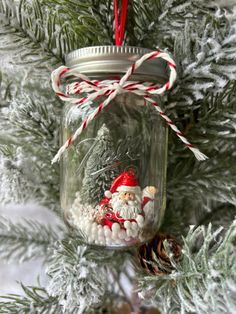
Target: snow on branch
pixel 80 276
pixel 35 300
pixel 203 281
pixel 26 239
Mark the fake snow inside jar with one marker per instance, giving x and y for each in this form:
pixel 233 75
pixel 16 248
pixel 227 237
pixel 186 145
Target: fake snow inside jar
pixel 113 176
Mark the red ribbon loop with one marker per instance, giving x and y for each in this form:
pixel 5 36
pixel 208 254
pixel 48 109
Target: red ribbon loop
pixel 120 28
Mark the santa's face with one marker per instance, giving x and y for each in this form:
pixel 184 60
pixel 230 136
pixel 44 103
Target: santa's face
pixel 126 204
pixel 127 196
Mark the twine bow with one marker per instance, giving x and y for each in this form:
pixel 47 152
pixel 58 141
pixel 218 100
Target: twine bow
pixel 94 89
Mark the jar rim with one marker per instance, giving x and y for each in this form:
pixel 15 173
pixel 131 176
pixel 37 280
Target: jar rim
pixel 116 59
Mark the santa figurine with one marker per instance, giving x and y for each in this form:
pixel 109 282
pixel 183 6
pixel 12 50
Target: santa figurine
pixel 124 204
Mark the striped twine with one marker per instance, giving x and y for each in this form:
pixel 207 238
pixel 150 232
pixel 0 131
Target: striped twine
pixel 94 89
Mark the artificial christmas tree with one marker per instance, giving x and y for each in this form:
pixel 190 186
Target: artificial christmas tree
pixel 100 168
pixel 35 35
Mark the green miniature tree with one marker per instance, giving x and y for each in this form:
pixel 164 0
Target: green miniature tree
pixel 100 169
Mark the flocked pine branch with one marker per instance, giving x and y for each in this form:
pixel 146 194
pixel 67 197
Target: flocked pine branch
pixel 14 187
pixel 215 119
pixel 204 279
pixel 216 114
pixel 26 172
pixel 20 171
pixel 206 176
pixel 203 62
pixel 36 123
pixel 6 91
pixel 36 300
pixel 221 216
pixel 26 239
pixel 61 26
pixel 83 277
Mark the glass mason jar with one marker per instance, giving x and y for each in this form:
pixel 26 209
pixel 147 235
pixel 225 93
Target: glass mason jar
pixel 113 177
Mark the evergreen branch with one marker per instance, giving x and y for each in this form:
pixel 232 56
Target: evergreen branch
pixel 205 176
pixel 203 280
pixel 25 240
pixel 79 275
pixel 31 32
pixel 32 121
pixel 102 10
pixel 13 184
pixel 60 25
pixel 22 178
pixel 215 112
pixel 203 68
pixel 215 119
pixel 217 115
pixel 35 301
pixel 6 91
pixel 42 121
pixel 146 17
pixel 220 216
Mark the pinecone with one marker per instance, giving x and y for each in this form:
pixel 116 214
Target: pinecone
pixel 153 256
pixel 151 311
pixel 123 308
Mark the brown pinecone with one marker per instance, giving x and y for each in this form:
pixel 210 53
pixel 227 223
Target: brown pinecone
pixel 153 256
pixel 123 308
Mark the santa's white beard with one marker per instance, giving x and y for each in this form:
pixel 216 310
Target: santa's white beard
pixel 127 210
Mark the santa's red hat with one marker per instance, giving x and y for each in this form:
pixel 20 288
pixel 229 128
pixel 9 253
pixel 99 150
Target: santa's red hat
pixel 125 182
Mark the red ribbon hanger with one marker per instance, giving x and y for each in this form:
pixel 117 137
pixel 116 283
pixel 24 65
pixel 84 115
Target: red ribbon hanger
pixel 120 27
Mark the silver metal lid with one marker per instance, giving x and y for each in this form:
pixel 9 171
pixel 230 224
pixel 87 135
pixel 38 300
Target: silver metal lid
pixel 116 59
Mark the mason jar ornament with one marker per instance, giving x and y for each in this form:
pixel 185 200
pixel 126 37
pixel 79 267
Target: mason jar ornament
pixel 113 167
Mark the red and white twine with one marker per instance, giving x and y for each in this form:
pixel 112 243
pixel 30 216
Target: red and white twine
pixel 94 89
